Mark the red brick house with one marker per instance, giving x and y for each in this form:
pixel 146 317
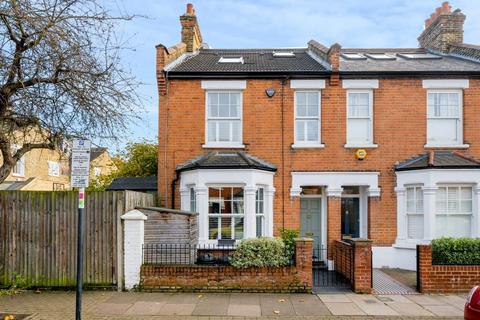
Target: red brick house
pixel 335 142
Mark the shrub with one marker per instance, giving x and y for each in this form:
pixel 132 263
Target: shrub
pixel 260 252
pixel 456 251
pixel 288 236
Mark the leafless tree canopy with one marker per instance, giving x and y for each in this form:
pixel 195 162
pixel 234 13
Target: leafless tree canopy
pixel 60 75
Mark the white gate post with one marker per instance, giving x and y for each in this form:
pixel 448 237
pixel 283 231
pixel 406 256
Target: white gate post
pixel 133 242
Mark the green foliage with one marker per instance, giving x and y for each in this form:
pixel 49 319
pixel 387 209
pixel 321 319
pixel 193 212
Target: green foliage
pixel 288 236
pixel 139 159
pixel 18 283
pixel 260 252
pixel 452 251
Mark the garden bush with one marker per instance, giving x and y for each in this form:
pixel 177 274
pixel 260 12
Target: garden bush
pixel 456 251
pixel 288 236
pixel 260 252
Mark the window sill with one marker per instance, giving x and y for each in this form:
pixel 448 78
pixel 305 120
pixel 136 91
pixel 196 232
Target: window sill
pixel 447 146
pixel 356 146
pixel 228 146
pixel 308 146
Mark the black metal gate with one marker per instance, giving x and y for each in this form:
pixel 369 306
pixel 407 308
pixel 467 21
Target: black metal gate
pixel 324 280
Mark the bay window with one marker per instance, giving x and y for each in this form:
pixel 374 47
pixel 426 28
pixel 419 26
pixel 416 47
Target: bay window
pixel 225 213
pixel 454 208
pixel 224 118
pixel 359 118
pixel 307 118
pixel 414 212
pixel 444 117
pixel 260 212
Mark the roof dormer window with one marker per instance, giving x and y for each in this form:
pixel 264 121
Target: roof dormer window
pixel 380 56
pixel 284 54
pixel 353 56
pixel 415 56
pixel 231 60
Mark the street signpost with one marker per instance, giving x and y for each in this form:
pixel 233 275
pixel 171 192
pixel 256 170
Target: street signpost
pixel 79 179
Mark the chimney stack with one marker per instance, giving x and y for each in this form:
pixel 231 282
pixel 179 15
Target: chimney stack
pixel 191 35
pixel 442 29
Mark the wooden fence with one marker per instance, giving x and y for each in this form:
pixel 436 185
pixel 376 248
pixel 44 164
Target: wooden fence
pixel 38 236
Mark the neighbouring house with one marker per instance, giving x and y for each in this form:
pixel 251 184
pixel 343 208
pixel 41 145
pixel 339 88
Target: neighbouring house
pixel 139 184
pixel 101 162
pixel 39 169
pixel 336 142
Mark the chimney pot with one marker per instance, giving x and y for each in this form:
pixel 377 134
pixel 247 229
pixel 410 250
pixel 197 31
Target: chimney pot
pixel 190 9
pixel 445 7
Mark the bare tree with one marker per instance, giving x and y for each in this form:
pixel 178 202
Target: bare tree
pixel 60 75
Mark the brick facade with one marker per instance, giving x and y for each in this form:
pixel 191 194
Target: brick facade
pixel 203 278
pixel 444 278
pixel 399 127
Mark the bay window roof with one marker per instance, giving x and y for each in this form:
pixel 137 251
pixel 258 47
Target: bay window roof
pixel 439 160
pixel 226 160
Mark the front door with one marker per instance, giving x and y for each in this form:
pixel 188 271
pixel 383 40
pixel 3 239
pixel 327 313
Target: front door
pixel 310 221
pixel 351 217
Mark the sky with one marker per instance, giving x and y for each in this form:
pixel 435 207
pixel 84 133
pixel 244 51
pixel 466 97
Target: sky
pixel 267 24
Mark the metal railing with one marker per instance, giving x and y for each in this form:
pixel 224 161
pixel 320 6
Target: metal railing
pixel 187 254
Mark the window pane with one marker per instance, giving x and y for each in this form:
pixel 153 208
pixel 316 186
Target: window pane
pixel 225 228
pixel 213 228
pixel 358 130
pixel 235 99
pixel 213 104
pixel 360 98
pixel 466 193
pixel 415 226
pixel 301 111
pixel 312 130
pixel 410 206
pixel 238 227
pixel 259 224
pixel 212 131
pixel 300 130
pixel 236 131
pixel 453 226
pixel 312 110
pixel 234 111
pixel 312 99
pixel 301 98
pixel 466 206
pixel 442 130
pixel 224 110
pixel 223 131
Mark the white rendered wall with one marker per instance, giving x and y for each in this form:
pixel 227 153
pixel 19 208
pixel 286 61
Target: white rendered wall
pixel 133 242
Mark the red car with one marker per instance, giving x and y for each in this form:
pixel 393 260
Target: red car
pixel 472 307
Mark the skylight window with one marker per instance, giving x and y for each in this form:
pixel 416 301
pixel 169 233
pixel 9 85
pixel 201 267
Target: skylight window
pixel 231 60
pixel 414 56
pixel 353 56
pixel 380 56
pixel 284 54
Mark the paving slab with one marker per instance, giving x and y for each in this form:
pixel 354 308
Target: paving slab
pixel 245 298
pixel 212 305
pixel 112 308
pixel 184 298
pixel 335 297
pixel 154 297
pixel 454 300
pixel 344 309
pixel 177 309
pixel 128 297
pixel 371 305
pixel 244 310
pixel 308 305
pixel 409 309
pixel 426 300
pixel 445 311
pixel 145 308
pixel 276 305
pixel 394 298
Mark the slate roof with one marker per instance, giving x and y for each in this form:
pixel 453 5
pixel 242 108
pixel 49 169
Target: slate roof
pixel 443 63
pixel 134 183
pixel 226 160
pixel 96 152
pixel 255 60
pixel 439 160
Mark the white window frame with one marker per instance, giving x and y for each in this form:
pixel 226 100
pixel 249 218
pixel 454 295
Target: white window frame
pixel 447 213
pixel 259 214
pixel 20 164
pixel 356 144
pixel 307 144
pixel 459 143
pixel 223 144
pixel 192 200
pixel 416 213
pixel 51 172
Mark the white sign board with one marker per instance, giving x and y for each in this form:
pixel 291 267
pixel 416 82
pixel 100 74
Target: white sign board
pixel 80 163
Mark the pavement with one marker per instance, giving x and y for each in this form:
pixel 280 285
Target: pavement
pixel 58 305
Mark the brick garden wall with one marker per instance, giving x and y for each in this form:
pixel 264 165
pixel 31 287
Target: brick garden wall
pixel 444 278
pixel 206 278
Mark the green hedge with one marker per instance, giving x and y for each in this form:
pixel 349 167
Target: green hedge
pixel 456 251
pixel 260 252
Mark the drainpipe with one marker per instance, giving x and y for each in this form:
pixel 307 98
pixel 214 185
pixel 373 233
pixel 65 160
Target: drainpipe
pixel 174 182
pixel 284 82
